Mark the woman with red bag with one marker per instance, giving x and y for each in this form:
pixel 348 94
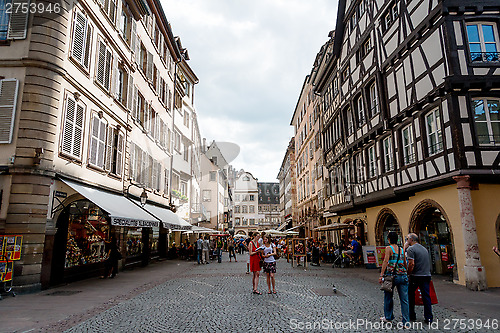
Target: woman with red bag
pixel 255 256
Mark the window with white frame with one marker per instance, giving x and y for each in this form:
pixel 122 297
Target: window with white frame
pixel 125 26
pixel 207 195
pixel 387 151
pixel 81 46
pixel 109 7
pixel 251 209
pixel 122 85
pixel 97 148
pixel 360 109
pixel 483 42
pixel 360 168
pixel 434 136
pixel 244 209
pixel 72 133
pixel 373 100
pixel 114 153
pixel 487 120
pixel 213 176
pixel 104 64
pixel 237 221
pixel 372 162
pixel 408 148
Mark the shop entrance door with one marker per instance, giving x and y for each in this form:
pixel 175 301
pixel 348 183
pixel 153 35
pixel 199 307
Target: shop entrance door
pixel 389 225
pixel 435 236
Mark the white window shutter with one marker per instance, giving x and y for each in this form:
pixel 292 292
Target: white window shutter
pixel 18 24
pixel 88 46
pixel 108 69
pixel 149 68
pixel 115 83
pixel 138 52
pixel 101 155
pixel 101 62
pixel 78 128
pixel 94 140
pixel 147 117
pixel 135 104
pixel 8 104
pixel 69 126
pixel 133 36
pixel 119 154
pixel 79 29
pixel 109 148
pixel 130 94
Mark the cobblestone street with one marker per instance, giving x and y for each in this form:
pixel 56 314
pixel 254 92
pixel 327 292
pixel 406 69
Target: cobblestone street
pixel 218 298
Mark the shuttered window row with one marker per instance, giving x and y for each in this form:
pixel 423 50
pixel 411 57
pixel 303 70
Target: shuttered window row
pixel 82 39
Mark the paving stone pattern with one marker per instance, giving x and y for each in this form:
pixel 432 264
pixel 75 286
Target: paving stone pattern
pixel 218 298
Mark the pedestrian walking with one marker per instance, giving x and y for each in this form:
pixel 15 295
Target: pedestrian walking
pixel 206 251
pixel 395 264
pixel 255 252
pixel 199 249
pixel 269 252
pixel 113 254
pixel 230 248
pixel 419 271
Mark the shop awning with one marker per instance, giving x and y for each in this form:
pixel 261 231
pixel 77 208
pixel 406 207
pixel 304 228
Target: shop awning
pixel 123 212
pixel 200 230
pixel 282 226
pixel 169 219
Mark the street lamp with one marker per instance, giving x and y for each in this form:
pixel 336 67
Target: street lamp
pixel 144 197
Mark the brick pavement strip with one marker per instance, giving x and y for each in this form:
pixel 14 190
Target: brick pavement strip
pixel 218 298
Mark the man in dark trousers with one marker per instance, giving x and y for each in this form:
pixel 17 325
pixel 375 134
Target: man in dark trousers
pixel 419 271
pixel 199 249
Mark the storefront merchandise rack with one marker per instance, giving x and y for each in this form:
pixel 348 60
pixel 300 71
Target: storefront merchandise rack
pixel 10 250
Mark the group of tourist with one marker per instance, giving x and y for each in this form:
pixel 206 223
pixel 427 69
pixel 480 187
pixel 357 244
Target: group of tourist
pixel 411 268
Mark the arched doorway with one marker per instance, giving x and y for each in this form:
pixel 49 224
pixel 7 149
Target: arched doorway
pixel 431 225
pixel 386 222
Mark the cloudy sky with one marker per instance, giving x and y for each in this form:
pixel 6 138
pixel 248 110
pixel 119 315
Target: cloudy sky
pixel 251 58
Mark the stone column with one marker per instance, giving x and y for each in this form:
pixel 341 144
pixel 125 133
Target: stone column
pixel 475 275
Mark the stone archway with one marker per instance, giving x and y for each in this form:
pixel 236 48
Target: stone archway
pixel 430 222
pixel 386 221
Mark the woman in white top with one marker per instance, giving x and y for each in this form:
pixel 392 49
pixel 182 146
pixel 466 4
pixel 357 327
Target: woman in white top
pixel 269 263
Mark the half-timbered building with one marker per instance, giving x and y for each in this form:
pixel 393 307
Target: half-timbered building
pixel 411 135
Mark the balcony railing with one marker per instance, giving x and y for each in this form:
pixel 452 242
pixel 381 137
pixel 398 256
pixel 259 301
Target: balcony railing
pixel 485 56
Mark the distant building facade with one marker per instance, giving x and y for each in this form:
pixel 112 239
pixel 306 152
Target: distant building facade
pixel 269 204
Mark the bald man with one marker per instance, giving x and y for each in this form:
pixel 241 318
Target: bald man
pixel 419 271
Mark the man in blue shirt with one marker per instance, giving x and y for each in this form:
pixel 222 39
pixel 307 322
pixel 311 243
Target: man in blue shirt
pixel 354 249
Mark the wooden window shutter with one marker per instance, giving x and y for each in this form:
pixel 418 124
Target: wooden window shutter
pixel 8 104
pixel 79 29
pixel 109 148
pixel 78 128
pixel 135 104
pixel 130 95
pixel 102 144
pixel 149 69
pixel 68 130
pixel 133 36
pixel 18 24
pixel 131 168
pixel 155 178
pixel 115 83
pixel 88 46
pixel 101 62
pixel 108 69
pixel 119 154
pixel 94 139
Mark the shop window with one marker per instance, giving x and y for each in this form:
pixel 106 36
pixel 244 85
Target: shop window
pixel 134 242
pixel 88 230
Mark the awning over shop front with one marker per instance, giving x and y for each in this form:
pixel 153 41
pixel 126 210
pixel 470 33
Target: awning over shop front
pixel 200 230
pixel 169 219
pixel 123 212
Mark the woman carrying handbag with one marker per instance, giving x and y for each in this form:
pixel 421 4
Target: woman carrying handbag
pixel 394 269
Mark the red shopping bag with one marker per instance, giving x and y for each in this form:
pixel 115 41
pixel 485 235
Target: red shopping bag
pixel 432 293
